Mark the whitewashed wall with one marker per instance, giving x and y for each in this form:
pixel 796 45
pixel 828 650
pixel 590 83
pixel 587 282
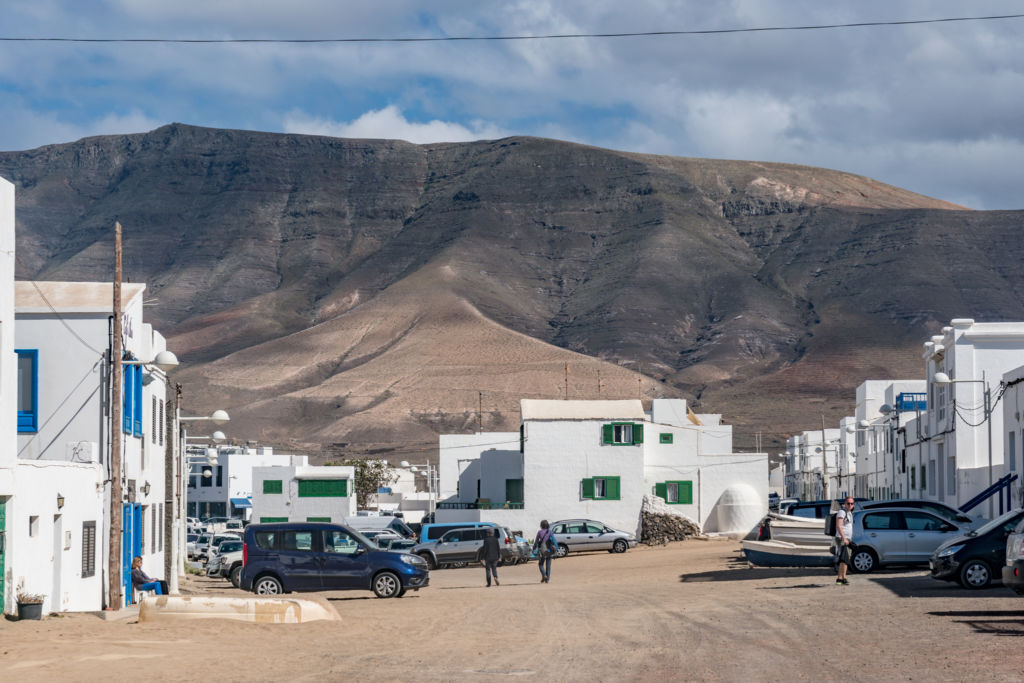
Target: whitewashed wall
pixel 8 376
pixel 289 504
pixel 457 451
pixel 1013 431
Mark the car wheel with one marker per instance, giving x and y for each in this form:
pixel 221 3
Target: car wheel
pixel 267 585
pixel 620 546
pixel 864 560
pixel 387 585
pixel 460 565
pixel 975 574
pixel 236 576
pixel 429 559
pixel 562 551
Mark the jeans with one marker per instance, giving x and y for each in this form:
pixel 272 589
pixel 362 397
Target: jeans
pixel 491 569
pixel 154 586
pixel 544 562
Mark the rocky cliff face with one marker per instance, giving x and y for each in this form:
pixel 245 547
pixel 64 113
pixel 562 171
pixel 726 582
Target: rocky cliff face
pixel 373 293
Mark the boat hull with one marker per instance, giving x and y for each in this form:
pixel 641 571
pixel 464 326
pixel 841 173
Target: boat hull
pixel 779 554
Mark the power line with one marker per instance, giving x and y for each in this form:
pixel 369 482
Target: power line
pixel 550 36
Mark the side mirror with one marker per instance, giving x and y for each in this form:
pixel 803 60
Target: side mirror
pixel 360 549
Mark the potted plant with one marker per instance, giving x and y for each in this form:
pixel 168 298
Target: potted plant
pixel 30 605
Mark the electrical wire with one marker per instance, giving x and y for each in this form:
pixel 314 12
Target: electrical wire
pixel 35 285
pixel 550 36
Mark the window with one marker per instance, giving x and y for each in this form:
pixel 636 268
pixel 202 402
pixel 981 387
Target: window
pixel 913 478
pixel 951 475
pixel 153 415
pixel 665 437
pixel 297 540
pixel 88 549
pixel 675 492
pixel 272 486
pixel 204 480
pixel 922 521
pixel 28 390
pixel 514 490
pixel 152 536
pixel 220 475
pixel 131 399
pixel 163 424
pixel 882 521
pixel 601 488
pixel 323 488
pixel 622 433
pixel 318 519
pixel 1011 452
pixel 931 477
pixel 142 529
pixel 271 520
pixel 340 542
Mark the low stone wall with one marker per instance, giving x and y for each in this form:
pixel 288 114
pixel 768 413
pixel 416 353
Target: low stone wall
pixel 659 524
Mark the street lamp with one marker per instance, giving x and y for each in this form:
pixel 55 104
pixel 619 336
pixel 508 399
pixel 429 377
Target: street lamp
pixel 943 379
pixel 430 472
pixel 179 531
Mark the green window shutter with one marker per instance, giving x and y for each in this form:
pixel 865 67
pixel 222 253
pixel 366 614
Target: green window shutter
pixel 665 437
pixel 318 519
pixel 588 488
pixel 611 490
pixel 514 490
pixel 608 433
pixel 272 486
pixel 323 488
pixel 686 492
pixel 638 433
pixel 661 490
pixel 269 520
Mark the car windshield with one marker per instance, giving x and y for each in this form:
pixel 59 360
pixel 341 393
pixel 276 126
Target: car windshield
pixel 999 521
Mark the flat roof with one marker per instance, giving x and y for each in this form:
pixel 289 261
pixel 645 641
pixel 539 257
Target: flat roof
pixel 539 409
pixel 71 297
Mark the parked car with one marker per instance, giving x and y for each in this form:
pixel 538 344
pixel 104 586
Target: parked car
pixel 434 530
pixel 458 546
pixel 897 536
pixel 976 557
pixel 1013 569
pixel 219 563
pixel 395 544
pixel 190 544
pixel 200 547
pixel 947 512
pixel 314 556
pixel 811 509
pixel 577 535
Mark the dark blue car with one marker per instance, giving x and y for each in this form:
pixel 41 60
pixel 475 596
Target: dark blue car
pixel 311 556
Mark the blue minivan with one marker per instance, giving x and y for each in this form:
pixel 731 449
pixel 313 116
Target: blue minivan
pixel 317 556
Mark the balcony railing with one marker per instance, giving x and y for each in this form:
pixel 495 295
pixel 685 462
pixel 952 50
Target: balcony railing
pixel 480 505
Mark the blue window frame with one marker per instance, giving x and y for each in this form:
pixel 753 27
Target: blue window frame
pixel 131 403
pixel 28 390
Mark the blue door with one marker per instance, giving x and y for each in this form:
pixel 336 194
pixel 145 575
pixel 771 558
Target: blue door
pixel 131 545
pixel 300 561
pixel 343 562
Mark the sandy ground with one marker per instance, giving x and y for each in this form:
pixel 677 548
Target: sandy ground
pixel 687 611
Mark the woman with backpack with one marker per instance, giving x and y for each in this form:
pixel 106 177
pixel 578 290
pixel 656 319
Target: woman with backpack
pixel 545 546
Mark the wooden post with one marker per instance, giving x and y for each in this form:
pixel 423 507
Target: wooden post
pixel 566 381
pixel 114 597
pixel 824 461
pixel 480 412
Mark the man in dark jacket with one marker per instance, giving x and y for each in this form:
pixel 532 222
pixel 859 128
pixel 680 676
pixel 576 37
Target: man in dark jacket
pixel 490 553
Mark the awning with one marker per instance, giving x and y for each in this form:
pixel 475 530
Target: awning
pixel 240 503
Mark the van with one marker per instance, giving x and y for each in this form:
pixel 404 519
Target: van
pixel 435 530
pixel 380 523
pixel 314 556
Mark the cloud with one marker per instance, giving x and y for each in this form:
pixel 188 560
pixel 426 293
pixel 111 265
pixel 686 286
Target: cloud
pixel 389 123
pixel 26 128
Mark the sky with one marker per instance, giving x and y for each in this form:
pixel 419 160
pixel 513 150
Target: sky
pixel 937 108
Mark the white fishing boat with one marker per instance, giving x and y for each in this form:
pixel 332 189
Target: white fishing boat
pixel 796 530
pixel 782 554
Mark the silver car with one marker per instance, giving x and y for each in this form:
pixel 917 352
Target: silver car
pixel 576 535
pixel 460 546
pixel 897 536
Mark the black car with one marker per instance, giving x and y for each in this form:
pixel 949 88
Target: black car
pixel 974 558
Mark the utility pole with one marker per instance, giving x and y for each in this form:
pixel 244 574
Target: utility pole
pixel 480 412
pixel 566 381
pixel 824 461
pixel 114 598
pixel 599 382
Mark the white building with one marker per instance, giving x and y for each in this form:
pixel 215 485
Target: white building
pixel 883 409
pixel 299 492
pixel 597 460
pixel 59 521
pixel 811 457
pixel 1013 431
pixel 227 492
pixel 8 390
pixel 960 451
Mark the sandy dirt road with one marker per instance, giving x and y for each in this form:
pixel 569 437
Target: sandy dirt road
pixel 691 610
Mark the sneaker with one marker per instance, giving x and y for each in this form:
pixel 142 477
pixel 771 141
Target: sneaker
pixel 496 582
pixel 846 582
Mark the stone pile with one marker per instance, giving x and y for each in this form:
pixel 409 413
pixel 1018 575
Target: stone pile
pixel 659 524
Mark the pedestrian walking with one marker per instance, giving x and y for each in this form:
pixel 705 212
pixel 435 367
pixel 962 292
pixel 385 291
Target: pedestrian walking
pixel 490 553
pixel 844 534
pixel 545 545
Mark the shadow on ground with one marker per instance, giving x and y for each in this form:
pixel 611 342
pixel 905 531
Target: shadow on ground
pixel 924 586
pixel 995 622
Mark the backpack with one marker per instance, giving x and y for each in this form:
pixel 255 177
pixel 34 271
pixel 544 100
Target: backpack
pixel 830 524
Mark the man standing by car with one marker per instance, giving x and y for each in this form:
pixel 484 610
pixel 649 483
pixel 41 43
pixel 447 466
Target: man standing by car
pixel 844 532
pixel 489 554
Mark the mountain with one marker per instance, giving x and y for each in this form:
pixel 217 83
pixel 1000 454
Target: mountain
pixel 364 295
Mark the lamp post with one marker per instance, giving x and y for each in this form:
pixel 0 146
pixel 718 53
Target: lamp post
pixel 218 417
pixel 430 472
pixel 943 379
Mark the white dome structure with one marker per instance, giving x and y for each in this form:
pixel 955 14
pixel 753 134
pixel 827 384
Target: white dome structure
pixel 736 512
